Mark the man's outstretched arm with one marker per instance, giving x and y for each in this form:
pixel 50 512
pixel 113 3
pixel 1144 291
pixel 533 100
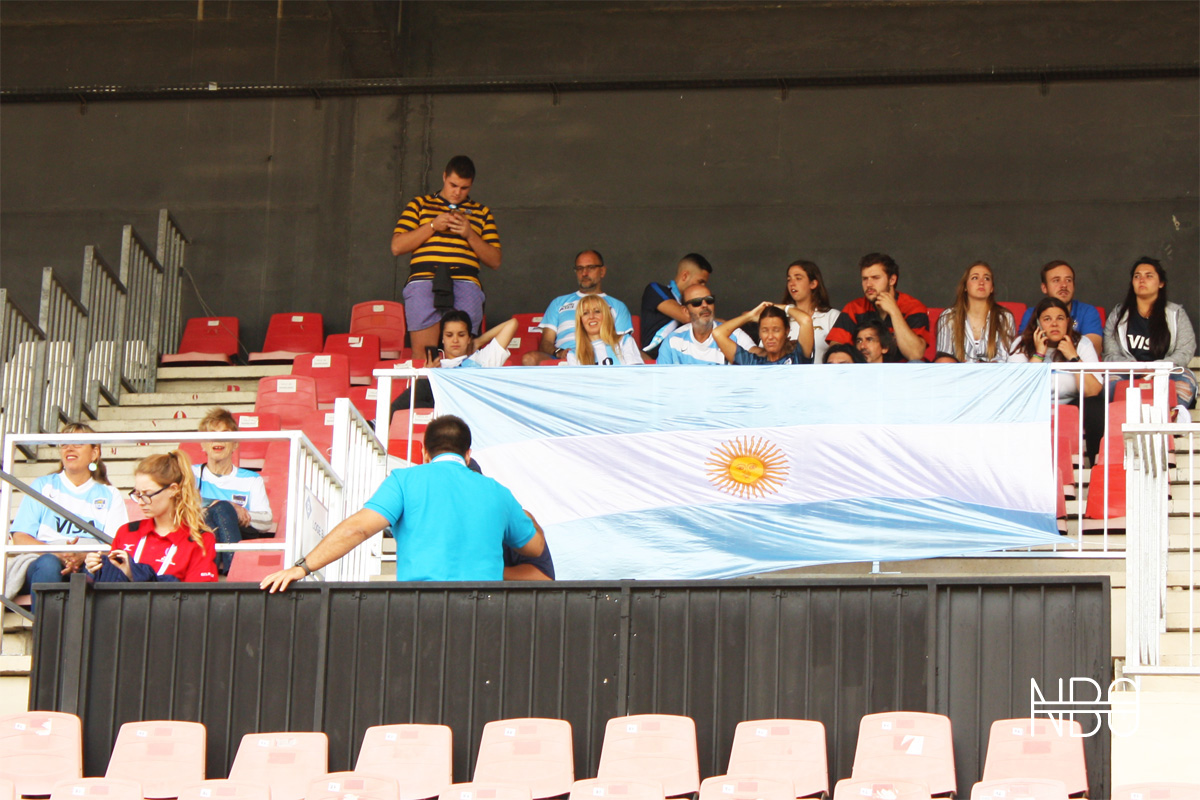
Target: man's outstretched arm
pixel 345 536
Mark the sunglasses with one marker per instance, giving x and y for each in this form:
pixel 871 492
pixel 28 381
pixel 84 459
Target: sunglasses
pixel 699 301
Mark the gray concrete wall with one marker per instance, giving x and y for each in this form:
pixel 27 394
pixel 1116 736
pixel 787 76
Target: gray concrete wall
pixel 290 202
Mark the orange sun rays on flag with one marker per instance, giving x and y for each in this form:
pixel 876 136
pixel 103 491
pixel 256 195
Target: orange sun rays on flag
pixel 747 467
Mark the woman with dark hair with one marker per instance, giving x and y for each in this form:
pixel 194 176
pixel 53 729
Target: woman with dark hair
pixel 172 543
pixel 976 329
pixel 773 324
pixel 80 485
pixel 459 349
pixel 806 291
pixel 1146 327
pixel 842 354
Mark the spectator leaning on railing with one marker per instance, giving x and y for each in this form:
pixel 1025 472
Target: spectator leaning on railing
pixel 81 486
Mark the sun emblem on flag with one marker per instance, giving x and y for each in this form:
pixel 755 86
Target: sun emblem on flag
pixel 747 467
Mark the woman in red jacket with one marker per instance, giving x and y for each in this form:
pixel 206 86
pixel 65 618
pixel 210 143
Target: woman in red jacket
pixel 172 543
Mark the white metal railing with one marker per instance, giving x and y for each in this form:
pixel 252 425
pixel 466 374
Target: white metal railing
pixel 23 350
pixel 105 298
pixel 87 346
pixel 1161 566
pixel 360 458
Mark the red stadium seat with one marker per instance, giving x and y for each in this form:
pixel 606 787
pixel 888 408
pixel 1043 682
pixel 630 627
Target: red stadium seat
pixel 331 371
pixel 637 329
pixel 207 340
pixel 361 350
pixel 353 786
pixel 1020 789
pixel 318 427
pixel 484 791
pixel 287 761
pixel 8 790
pixel 290 397
pixel 364 399
pixel 162 756
pixel 382 318
pixel 906 746
pixel 399 427
pixel 1020 749
pixel 399 448
pixel 790 750
pixel 735 787
pixel 534 753
pixel 1103 315
pixel 656 748
pixel 879 789
pixel 97 788
pixel 1017 309
pixel 290 335
pixel 226 790
pixel 1121 389
pixel 40 748
pixel 419 756
pixel 252 454
pixel 527 337
pixel 615 790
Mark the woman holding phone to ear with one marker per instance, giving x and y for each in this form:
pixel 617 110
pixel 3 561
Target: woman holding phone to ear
pixel 172 543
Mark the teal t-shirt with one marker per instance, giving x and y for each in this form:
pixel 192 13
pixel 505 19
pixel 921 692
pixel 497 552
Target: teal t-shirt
pixel 450 523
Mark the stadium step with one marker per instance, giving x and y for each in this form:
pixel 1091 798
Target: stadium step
pixel 207 397
pixel 194 413
pixel 145 425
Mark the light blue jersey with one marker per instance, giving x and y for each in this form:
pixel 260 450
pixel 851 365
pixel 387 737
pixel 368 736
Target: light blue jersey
pixel 681 347
pixel 97 503
pixel 560 318
pixel 242 487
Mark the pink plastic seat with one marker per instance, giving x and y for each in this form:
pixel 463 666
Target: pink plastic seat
pixel 8 790
pixel 399 428
pixel 164 757
pixel 96 789
pixel 484 791
pixel 40 748
pixel 420 757
pixel 1020 789
pixel 290 335
pixel 353 786
pixel 657 748
pixel 361 352
pixel 906 746
pixel 226 790
pixel 616 789
pixel 318 427
pixel 782 749
pixel 252 454
pixel 331 371
pixel 382 318
pixel 290 397
pixel 207 340
pixel 364 399
pixel 287 761
pixel 745 787
pixel 535 753
pixel 931 347
pixel 879 789
pixel 1157 791
pixel 1018 748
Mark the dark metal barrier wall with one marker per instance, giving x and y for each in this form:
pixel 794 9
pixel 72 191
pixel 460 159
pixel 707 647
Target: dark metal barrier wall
pixel 342 657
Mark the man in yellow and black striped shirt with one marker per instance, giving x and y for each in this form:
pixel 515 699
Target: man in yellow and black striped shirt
pixel 449 236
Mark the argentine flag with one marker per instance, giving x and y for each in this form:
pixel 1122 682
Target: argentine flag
pixel 697 472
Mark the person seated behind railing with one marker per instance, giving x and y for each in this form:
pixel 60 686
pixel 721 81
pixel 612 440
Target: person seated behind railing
pixel 172 543
pixel 596 337
pixel 1051 336
pixel 842 354
pixel 234 499
pixel 460 350
pixel 1159 331
pixel 773 323
pixel 976 329
pixel 81 486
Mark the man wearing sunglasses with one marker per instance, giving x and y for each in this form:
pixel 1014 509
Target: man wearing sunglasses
pixel 558 323
pixel 694 343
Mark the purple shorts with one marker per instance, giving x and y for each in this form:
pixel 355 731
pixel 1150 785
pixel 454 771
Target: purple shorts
pixel 420 313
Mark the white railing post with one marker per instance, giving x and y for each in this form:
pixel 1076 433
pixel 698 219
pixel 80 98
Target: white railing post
pixel 23 350
pixel 360 460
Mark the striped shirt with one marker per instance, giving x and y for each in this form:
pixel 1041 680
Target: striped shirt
pixel 444 247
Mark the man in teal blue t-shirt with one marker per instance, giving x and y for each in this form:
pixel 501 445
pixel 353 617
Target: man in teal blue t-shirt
pixel 449 523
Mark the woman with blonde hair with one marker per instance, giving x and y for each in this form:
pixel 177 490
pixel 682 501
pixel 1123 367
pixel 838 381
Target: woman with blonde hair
pixel 80 485
pixel 976 329
pixel 172 543
pixel 596 339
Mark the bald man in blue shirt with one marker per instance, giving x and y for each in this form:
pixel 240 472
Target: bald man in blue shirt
pixel 450 524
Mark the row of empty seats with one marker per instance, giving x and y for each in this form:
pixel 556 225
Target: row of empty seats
pixel 899 755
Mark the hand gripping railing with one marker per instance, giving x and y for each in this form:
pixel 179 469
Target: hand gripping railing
pixel 23 351
pixel 1149 444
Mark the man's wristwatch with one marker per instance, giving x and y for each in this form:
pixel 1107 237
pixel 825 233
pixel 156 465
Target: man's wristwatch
pixel 302 564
